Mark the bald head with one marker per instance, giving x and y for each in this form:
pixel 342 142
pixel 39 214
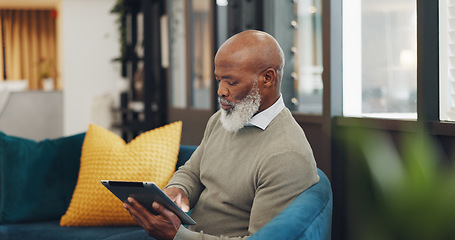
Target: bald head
pixel 255 50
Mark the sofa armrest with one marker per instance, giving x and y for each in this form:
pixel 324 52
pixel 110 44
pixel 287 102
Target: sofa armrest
pixel 308 216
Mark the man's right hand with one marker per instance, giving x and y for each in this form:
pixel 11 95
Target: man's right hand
pixel 179 197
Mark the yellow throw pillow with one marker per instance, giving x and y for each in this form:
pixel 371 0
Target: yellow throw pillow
pixel 151 156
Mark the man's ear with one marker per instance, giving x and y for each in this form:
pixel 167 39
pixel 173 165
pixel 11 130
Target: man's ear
pixel 269 77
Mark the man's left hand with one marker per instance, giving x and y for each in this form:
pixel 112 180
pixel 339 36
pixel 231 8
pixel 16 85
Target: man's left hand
pixel 162 226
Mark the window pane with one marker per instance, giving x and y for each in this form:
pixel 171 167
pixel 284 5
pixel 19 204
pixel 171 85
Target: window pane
pixel 380 58
pixel 308 56
pixel 202 54
pixel 447 59
pixel 178 52
pixel 191 51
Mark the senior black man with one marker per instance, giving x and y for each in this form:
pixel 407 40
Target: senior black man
pixel 254 158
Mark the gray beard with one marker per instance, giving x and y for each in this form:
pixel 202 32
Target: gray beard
pixel 241 113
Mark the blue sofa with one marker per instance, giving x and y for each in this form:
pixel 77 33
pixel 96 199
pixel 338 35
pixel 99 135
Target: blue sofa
pixel 307 217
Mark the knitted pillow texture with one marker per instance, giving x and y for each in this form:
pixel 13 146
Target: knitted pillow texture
pixel 151 156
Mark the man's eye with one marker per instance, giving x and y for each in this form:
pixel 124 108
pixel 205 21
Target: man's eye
pixel 232 83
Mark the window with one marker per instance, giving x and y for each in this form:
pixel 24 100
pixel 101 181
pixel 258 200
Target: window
pixel 307 51
pixel 380 58
pixel 202 63
pixel 178 53
pixel 447 59
pixel 191 51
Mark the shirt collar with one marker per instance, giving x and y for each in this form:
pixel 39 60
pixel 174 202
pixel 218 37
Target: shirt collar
pixel 263 119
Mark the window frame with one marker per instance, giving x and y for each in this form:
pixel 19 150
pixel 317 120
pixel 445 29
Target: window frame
pixel 427 74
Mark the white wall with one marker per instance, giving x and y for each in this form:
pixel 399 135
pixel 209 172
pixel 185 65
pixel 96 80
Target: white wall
pixel 89 42
pixel 31 114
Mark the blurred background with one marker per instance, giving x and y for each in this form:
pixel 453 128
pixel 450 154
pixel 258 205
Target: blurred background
pixel 370 82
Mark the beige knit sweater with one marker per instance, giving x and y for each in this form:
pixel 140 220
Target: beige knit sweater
pixel 237 182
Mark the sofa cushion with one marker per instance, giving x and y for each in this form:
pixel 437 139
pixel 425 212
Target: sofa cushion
pixel 151 156
pixel 37 177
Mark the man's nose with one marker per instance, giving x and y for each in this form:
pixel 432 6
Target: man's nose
pixel 222 91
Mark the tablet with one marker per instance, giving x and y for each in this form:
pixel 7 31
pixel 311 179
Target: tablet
pixel 146 193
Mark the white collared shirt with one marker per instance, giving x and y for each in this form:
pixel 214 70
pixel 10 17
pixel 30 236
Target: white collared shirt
pixel 263 119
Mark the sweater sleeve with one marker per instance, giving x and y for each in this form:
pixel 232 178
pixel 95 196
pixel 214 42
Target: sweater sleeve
pixel 187 177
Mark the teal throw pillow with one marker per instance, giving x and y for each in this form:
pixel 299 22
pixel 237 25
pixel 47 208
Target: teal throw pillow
pixel 37 178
